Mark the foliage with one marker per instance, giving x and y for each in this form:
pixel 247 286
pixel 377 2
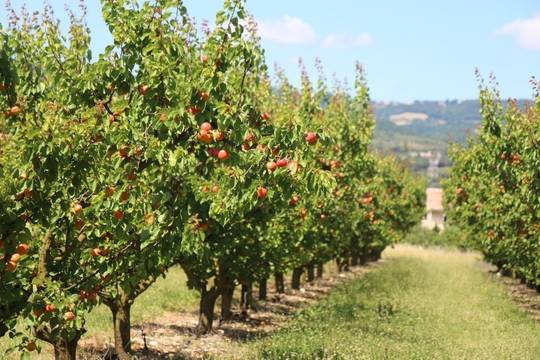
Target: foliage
pixel 492 192
pixel 173 148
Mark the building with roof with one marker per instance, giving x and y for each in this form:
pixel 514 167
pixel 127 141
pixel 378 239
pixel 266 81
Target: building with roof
pixel 434 209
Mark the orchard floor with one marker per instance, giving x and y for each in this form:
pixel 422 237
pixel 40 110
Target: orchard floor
pixel 413 304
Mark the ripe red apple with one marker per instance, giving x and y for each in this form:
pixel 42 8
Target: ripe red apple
pixel 112 118
pixel 77 208
pixel 49 308
pixel 294 200
pixel 205 189
pixel 245 147
pixel 282 162
pixel 95 252
pixel 22 249
pixel 205 137
pixel 15 110
pixel 311 138
pixel 303 213
pixel 131 176
pixel 206 126
pixel 204 96
pixel 223 155
pixel 31 346
pixel 69 316
pixel 118 215
pixel 271 166
pixel 143 89
pixel 213 152
pixel 204 59
pixel 265 116
pixel 15 257
pixel 215 189
pixel 11 266
pixel 262 192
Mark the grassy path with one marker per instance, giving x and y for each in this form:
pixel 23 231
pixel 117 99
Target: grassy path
pixel 421 304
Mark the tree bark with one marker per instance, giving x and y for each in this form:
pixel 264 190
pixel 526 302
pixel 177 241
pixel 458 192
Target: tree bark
pixel 206 309
pixel 121 313
pixel 355 261
pixel 280 282
pixel 226 302
pixel 263 289
pixel 296 278
pixel 310 272
pixel 66 349
pixel 320 270
pixel 246 299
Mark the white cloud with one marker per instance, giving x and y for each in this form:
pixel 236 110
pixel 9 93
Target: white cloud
pixel 288 30
pixel 525 31
pixel 343 41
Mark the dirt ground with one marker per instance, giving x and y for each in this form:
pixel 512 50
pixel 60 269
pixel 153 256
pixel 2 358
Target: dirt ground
pixel 173 337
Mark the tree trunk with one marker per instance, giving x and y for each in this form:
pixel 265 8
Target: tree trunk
pixel 355 260
pixel 310 272
pixel 206 309
pixel 280 283
pixel 226 302
pixel 320 270
pixel 296 277
pixel 66 349
pixel 263 289
pixel 121 313
pixel 246 299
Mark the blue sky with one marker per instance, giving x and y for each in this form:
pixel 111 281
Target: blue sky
pixel 412 49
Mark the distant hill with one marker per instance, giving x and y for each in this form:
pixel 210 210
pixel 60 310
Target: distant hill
pixel 416 132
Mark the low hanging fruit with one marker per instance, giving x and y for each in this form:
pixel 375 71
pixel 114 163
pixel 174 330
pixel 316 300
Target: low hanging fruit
pixel 262 192
pixel 15 110
pixel 271 166
pixel 77 208
pixel 206 126
pixel 118 215
pixel 69 316
pixel 282 162
pixel 22 249
pixel 223 155
pixel 205 137
pixel 311 138
pixel 143 89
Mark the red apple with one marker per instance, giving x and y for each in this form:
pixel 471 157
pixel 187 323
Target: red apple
pixel 204 59
pixel 22 249
pixel 143 89
pixel 69 316
pixel 282 162
pixel 294 200
pixel 15 257
pixel 262 192
pixel 205 137
pixel 49 308
pixel 245 147
pixel 15 110
pixel 31 346
pixel 11 266
pixel 118 215
pixel 311 138
pixel 265 116
pixel 77 208
pixel 206 126
pixel 223 155
pixel 215 189
pixel 271 166
pixel 213 152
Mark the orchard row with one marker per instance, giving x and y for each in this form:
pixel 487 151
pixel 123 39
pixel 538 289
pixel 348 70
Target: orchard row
pixel 174 147
pixel 493 190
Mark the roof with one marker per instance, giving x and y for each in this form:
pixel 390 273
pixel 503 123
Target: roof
pixel 434 199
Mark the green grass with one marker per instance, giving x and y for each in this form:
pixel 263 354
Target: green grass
pixel 421 304
pixel 168 294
